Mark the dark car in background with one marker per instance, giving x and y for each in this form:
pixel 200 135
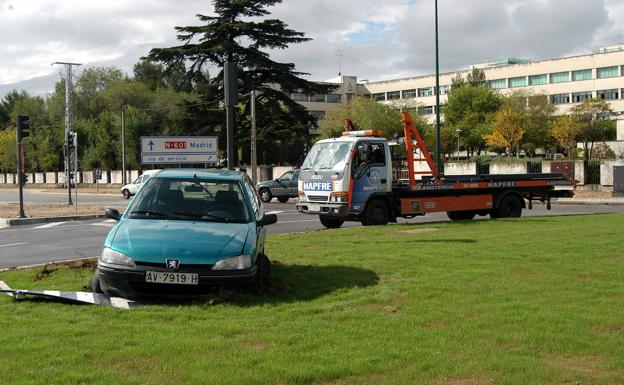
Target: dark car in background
pixel 282 188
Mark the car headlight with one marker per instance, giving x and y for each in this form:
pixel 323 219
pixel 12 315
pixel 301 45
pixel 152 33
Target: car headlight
pixel 234 263
pixel 115 258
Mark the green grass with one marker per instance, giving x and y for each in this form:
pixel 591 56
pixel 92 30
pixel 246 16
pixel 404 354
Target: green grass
pixel 529 301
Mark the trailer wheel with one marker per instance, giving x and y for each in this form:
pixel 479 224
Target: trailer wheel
pixel 510 207
pixel 376 214
pixel 461 215
pixel 330 222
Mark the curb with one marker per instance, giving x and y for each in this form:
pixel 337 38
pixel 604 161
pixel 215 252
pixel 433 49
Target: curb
pixel 10 222
pixel 589 203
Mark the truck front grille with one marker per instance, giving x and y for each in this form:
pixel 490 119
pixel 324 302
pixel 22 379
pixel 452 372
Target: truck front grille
pixel 317 198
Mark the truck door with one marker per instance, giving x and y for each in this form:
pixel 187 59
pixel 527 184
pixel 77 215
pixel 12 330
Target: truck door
pixel 294 184
pixel 282 185
pixel 369 172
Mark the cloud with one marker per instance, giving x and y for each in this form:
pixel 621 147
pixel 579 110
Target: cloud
pixel 377 39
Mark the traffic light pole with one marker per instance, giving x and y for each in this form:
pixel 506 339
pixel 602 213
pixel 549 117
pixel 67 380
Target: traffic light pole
pixel 20 176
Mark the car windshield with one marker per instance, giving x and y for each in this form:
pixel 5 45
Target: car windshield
pixel 327 156
pixel 190 199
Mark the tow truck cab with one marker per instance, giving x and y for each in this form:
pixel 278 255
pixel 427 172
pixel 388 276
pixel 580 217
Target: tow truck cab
pixel 350 169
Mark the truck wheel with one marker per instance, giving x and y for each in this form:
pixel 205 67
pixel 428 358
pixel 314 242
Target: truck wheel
pixel 510 207
pixel 376 214
pixel 265 195
pixel 461 215
pixel 126 194
pixel 282 199
pixel 330 222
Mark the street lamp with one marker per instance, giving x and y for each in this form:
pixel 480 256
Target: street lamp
pixel 457 132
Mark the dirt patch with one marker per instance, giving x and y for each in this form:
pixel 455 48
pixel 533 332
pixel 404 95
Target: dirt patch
pixel 606 330
pixel 588 365
pixel 422 230
pixel 470 380
pixel 50 268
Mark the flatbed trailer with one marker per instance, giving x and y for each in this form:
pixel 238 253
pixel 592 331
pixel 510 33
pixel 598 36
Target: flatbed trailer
pixel 359 185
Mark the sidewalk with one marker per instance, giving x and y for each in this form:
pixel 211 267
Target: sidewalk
pixel 613 201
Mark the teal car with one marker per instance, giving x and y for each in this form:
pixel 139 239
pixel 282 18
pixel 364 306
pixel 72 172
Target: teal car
pixel 184 233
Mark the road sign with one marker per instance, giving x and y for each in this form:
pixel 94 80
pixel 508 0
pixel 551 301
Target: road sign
pixel 98 173
pixel 178 149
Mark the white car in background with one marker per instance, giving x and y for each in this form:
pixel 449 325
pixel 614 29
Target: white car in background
pixel 132 188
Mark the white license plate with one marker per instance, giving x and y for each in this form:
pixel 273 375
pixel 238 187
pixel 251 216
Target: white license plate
pixel 314 207
pixel 173 278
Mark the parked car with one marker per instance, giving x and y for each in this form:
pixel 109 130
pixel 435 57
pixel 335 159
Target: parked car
pixel 184 233
pixel 131 189
pixel 282 188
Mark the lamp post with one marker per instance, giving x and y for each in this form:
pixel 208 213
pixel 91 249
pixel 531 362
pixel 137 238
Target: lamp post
pixel 437 92
pixel 457 132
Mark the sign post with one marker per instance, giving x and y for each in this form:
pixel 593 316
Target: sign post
pixel 98 176
pixel 179 149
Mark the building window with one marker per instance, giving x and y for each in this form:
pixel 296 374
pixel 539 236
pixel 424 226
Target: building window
pixel 425 91
pixel 379 97
pixel 579 97
pixel 319 98
pixel 444 90
pixel 607 72
pixel 409 94
pixel 581 75
pixel 299 97
pixel 608 94
pixel 393 95
pixel 520 81
pixel 560 77
pixel 498 84
pixel 318 114
pixel 428 110
pixel 536 80
pixel 334 98
pixel 560 98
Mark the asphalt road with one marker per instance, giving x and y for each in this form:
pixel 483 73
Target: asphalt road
pixel 33 196
pixel 28 245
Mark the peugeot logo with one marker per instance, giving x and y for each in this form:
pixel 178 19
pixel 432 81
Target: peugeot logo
pixel 173 264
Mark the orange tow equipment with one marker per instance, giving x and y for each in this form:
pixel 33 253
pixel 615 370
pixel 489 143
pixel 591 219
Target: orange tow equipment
pixel 412 134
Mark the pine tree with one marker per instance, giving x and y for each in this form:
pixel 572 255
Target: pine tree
pixel 239 32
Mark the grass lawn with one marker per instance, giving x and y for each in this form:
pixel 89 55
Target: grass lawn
pixel 528 301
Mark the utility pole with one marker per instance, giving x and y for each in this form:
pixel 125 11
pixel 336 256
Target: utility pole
pixel 254 162
pixel 437 92
pixel 123 146
pixel 68 126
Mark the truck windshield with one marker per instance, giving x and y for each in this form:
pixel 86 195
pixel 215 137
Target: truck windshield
pixel 328 156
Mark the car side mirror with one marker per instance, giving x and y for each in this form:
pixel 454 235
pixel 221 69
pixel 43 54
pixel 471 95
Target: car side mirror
pixel 112 213
pixel 267 219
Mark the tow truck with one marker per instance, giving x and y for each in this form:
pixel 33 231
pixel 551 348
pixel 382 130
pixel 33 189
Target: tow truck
pixel 359 177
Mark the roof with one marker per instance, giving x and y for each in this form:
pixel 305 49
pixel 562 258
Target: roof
pixel 215 174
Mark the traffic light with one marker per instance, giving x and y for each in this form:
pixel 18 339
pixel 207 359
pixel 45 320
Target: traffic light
pixel 22 126
pixel 232 83
pixel 71 140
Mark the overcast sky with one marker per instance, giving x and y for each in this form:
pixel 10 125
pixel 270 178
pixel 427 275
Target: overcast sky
pixel 378 39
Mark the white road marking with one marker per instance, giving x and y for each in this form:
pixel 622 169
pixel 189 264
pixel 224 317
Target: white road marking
pixel 305 220
pixel 275 212
pixel 104 224
pixel 48 225
pixel 110 221
pixel 14 244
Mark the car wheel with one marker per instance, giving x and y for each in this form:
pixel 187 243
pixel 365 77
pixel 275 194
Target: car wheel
pixel 510 207
pixel 330 222
pixel 282 199
pixel 263 274
pixel 461 215
pixel 96 287
pixel 126 194
pixel 376 214
pixel 265 195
